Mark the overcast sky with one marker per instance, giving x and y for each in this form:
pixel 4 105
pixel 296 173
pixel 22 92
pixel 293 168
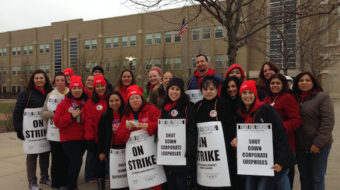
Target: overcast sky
pixel 22 14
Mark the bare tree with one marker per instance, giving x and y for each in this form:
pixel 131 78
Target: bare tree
pixel 242 19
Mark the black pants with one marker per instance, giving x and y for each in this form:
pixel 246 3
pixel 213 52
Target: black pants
pixel 74 151
pixel 59 165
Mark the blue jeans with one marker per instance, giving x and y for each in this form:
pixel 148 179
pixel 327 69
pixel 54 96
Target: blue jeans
pixel 312 168
pixel 265 182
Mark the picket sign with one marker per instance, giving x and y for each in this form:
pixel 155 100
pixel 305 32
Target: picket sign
pixel 52 131
pixel 255 149
pixel 34 131
pixel 118 177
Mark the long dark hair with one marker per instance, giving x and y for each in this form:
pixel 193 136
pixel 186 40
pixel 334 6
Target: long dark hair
pixel 47 87
pixel 224 88
pixel 183 100
pixel 128 109
pixel 285 86
pixel 262 81
pixel 119 82
pixel 109 110
pixel 95 96
pixel 316 84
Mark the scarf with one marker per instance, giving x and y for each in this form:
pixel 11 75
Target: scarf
pixel 169 106
pixel 209 73
pixel 248 117
pixel 41 90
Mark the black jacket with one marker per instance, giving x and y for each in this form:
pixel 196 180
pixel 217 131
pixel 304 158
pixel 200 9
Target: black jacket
pixel 109 85
pixel 283 154
pixel 33 99
pixel 187 112
pixel 105 134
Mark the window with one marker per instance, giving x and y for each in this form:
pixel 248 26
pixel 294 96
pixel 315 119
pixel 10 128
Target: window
pixel 195 34
pixel 177 38
pixel 148 38
pixel 30 49
pixel 115 64
pixel 107 42
pixel 13 89
pixel 87 44
pixel 14 70
pixel 18 70
pixel 115 41
pixel 47 48
pixel 125 64
pixel 19 88
pixel 4 89
pixel 47 68
pixel 73 53
pixel 31 69
pixel 18 50
pixel 107 66
pixel 57 55
pixel 193 61
pixel 218 60
pixel 132 40
pixel 124 41
pixel 94 44
pixel 148 64
pixel 167 64
pixel 167 37
pixel 14 51
pixel 0 52
pixel 158 37
pixel 177 62
pixel 133 65
pixel 25 50
pixel 206 33
pixel 218 31
pixel 4 51
pixel 41 48
pixel 87 67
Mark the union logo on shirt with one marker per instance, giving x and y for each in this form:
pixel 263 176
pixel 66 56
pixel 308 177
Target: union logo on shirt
pixel 99 107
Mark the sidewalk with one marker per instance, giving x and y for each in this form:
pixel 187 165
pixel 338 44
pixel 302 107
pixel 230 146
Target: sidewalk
pixel 13 167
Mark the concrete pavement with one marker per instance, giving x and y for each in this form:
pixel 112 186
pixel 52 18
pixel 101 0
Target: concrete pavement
pixel 13 167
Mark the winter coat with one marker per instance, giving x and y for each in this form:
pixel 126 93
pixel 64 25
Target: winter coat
pixel 195 80
pixel 149 114
pixel 69 129
pixel 188 113
pixel 109 85
pixel 26 99
pixel 317 113
pixel 157 96
pixel 288 109
pixel 91 114
pixel 283 154
pixel 107 130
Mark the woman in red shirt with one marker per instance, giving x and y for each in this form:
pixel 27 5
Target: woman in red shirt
pixel 286 105
pixel 93 109
pixel 144 115
pixel 71 127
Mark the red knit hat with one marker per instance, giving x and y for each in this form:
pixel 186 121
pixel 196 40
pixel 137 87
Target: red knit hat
pixel 249 85
pixel 76 81
pixel 68 71
pixel 98 79
pixel 132 90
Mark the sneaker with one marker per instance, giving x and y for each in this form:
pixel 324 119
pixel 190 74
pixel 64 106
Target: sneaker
pixel 45 182
pixel 34 186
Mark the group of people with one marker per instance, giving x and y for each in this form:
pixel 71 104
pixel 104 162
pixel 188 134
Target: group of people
pixel 98 117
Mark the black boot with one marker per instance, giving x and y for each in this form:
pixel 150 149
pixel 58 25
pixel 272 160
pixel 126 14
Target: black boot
pixel 102 183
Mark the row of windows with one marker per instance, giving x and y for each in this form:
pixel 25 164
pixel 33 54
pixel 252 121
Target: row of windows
pixel 3 51
pixel 27 69
pixel 3 70
pixel 15 89
pixel 26 50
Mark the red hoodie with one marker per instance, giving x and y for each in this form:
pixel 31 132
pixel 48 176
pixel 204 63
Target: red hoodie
pixel 69 129
pixel 248 117
pixel 236 66
pixel 149 114
pixel 91 114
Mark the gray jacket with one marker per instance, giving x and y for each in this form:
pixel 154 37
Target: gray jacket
pixel 317 115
